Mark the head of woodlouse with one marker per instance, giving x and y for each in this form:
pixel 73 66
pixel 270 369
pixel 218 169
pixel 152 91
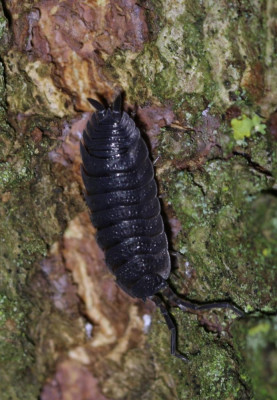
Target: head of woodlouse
pixel 110 115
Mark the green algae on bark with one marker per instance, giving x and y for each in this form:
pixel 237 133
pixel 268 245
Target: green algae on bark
pixel 229 248
pixel 28 227
pixel 212 369
pixel 30 221
pixel 203 57
pixel 31 89
pixel 200 53
pixel 227 206
pixel 227 210
pixel 16 350
pixel 256 345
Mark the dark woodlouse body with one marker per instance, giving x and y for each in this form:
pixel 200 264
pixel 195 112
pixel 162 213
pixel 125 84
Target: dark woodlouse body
pixel 122 196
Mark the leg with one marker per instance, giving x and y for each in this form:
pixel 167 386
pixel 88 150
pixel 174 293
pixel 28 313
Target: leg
pixel 191 307
pixel 170 325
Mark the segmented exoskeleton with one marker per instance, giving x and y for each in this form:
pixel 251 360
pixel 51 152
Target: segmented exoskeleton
pixel 122 196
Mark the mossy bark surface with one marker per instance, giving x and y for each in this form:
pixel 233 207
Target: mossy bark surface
pixel 203 74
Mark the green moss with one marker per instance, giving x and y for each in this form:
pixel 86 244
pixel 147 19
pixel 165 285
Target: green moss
pixel 4 32
pixel 32 218
pixel 198 59
pixel 228 211
pixel 12 175
pixel 16 351
pixel 173 65
pixel 220 378
pixel 21 156
pixel 197 55
pixel 255 342
pixel 211 57
pixel 259 330
pixel 4 126
pixel 228 223
pixel 180 45
pixel 29 224
pixel 31 89
pixel 3 25
pixel 244 126
pixel 211 372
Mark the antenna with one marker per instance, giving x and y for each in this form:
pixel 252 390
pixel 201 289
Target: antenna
pixel 98 106
pixel 117 104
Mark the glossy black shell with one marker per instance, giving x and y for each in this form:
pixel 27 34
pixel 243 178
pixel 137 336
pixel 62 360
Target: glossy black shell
pixel 122 196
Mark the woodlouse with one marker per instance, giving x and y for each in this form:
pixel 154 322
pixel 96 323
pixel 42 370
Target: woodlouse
pixel 122 196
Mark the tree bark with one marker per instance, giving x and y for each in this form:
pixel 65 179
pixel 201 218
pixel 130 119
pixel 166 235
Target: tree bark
pixel 201 78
